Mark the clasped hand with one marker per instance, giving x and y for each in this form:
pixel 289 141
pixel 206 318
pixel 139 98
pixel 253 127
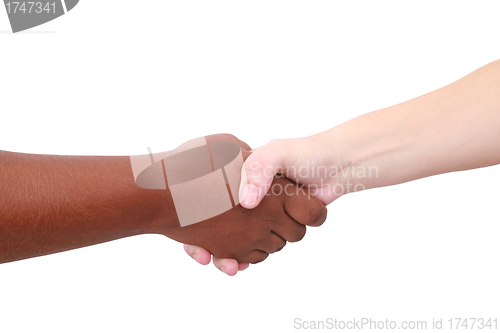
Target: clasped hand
pixel 276 206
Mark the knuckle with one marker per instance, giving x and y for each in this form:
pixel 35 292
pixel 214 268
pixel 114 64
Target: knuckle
pixel 299 234
pixel 271 220
pixel 260 258
pixel 278 143
pixel 274 142
pixel 280 248
pixel 317 214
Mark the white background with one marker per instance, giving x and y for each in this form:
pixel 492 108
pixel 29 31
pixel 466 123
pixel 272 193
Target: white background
pixel 113 77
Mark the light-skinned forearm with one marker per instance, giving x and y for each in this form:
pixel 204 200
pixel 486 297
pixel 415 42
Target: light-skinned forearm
pixel 453 128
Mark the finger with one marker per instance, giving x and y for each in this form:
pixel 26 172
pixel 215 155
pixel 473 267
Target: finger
pixel 227 265
pixel 199 254
pixel 303 207
pixel 254 257
pixel 289 229
pixel 274 244
pixel 243 265
pixel 259 169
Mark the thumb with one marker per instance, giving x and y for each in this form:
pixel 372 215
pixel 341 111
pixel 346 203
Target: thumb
pixel 257 174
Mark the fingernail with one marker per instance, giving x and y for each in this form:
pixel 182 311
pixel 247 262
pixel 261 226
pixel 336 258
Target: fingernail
pixel 223 269
pixel 250 194
pixel 195 257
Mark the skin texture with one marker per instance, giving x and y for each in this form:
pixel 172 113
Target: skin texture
pixel 454 128
pixel 250 235
pixel 53 203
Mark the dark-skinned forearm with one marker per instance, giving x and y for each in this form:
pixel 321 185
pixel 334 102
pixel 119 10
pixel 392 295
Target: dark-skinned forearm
pixel 51 203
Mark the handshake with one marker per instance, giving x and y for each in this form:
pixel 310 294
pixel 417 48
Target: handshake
pixel 274 192
pixel 213 193
pixel 238 204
